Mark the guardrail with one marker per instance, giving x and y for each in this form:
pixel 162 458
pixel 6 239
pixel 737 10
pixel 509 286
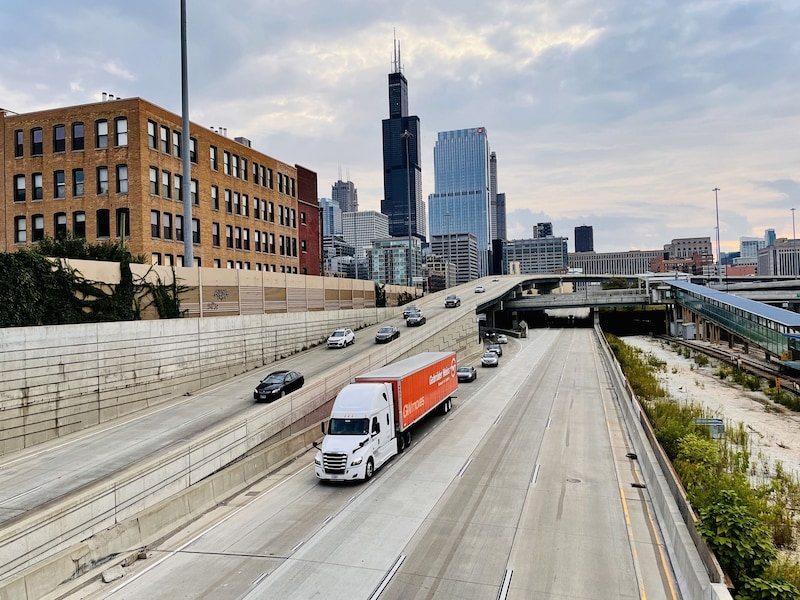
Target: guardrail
pixel 698 573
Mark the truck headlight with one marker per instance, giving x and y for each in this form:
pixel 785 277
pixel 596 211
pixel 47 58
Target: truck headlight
pixel 318 460
pixel 356 462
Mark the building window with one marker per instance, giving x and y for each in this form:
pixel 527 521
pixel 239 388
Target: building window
pixel 77 136
pixel 228 203
pixel 193 150
pixel 19 146
pixel 292 181
pixel 302 217
pixel 213 155
pixel 280 182
pixel 165 139
pixel 256 209
pixel 166 184
pixel 122 179
pixel 237 237
pixel 302 245
pixel 20 230
pixel 167 226
pixel 101 134
pixel 263 176
pixel 226 162
pixel 264 210
pixel 269 179
pixel 245 209
pixel 59 138
pixel 271 212
pixel 37 141
pixel 195 231
pixel 272 244
pixel 169 260
pixel 244 168
pixel 264 241
pixel 237 203
pixel 151 135
pixel 155 224
pixel 294 248
pixel 103 223
pixel 123 222
pixel 77 183
pixel 19 188
pixel 102 181
pixel 60 225
pixel 176 144
pixel 37 233
pixel 79 224
pixel 38 186
pixel 59 185
pixel 246 238
pixel 255 172
pixel 155 258
pixel 257 240
pixel 280 215
pixel 178 184
pixel 294 218
pixel 121 131
pixel 154 181
pixel 235 166
pixel 229 236
pixel 179 228
pixel 214 197
pixel 215 234
pixel 193 192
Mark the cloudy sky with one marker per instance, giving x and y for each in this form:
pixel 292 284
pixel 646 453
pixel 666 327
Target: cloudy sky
pixel 620 114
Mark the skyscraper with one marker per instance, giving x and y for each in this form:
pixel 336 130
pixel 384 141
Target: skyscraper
pixel 493 196
pixel 584 238
pixel 460 203
pixel 345 194
pixel 501 217
pixel 402 171
pixel 331 217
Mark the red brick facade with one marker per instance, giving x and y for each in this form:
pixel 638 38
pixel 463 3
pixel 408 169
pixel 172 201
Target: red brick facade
pixel 245 209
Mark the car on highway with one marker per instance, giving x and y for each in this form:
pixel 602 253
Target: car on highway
pixel 277 384
pixel 386 334
pixel 479 289
pixel 452 301
pixel 501 339
pixel 496 348
pixel 489 359
pixel 415 319
pixel 467 374
pixel 409 310
pixel 342 337
pixel 495 279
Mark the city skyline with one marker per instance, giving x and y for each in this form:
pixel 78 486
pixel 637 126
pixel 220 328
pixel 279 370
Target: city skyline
pixel 622 118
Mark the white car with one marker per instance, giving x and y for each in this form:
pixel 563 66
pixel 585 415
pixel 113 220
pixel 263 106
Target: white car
pixel 501 339
pixel 341 337
pixel 479 289
pixel 489 359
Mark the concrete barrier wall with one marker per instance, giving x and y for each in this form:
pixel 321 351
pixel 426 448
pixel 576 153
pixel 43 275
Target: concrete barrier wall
pixel 693 577
pixel 61 379
pixel 33 537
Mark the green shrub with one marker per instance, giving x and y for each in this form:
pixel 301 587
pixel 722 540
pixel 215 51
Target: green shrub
pixel 701 360
pixel 757 588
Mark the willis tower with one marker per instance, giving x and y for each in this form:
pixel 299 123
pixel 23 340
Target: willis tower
pixel 402 172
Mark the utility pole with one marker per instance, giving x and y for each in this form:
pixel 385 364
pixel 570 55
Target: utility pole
pixel 186 184
pixel 794 247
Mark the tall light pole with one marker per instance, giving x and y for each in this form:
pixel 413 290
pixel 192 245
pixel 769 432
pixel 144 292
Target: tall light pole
pixel 794 247
pixel 719 256
pixel 406 135
pixel 186 183
pixel 449 250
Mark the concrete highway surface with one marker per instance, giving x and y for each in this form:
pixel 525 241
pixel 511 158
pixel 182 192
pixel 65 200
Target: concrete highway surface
pixel 523 491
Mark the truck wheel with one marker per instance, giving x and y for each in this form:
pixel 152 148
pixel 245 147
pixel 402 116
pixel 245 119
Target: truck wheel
pixel 407 435
pixel 401 443
pixel 370 469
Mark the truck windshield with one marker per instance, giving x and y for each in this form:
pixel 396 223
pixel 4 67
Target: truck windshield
pixel 348 427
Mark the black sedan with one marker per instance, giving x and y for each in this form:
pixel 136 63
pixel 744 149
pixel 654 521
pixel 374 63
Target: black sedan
pixel 387 334
pixel 467 374
pixel 277 385
pixel 415 319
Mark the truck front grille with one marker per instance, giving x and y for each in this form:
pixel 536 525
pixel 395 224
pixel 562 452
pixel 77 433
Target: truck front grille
pixel 334 463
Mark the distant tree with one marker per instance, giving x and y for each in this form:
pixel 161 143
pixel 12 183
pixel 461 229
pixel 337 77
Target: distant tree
pixel 380 295
pixel 616 283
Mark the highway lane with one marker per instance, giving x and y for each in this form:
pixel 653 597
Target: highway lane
pixel 53 469
pixel 523 490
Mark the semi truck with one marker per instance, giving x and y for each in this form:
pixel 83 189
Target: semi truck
pixel 372 418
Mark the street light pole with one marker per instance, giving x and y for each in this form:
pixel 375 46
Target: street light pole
pixel 186 183
pixel 406 135
pixel 719 255
pixel 794 247
pixel 449 250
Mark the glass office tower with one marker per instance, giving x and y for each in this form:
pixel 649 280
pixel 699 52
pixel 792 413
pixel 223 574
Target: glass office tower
pixel 461 201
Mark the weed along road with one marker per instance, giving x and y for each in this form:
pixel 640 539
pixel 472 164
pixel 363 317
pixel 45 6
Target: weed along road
pixel 523 491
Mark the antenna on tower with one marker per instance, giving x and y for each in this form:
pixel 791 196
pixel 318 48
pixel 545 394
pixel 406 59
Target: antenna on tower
pixel 397 64
pixel 340 171
pixel 348 174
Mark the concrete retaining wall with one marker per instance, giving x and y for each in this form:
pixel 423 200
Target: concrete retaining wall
pixel 693 577
pixel 34 537
pixel 61 379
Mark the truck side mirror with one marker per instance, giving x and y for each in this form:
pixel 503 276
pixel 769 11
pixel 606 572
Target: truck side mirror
pixel 322 427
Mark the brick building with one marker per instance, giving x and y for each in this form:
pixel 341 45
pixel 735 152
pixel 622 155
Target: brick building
pixel 113 169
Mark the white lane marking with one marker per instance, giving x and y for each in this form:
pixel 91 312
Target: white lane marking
pixel 464 468
pixel 535 474
pixel 506 585
pixel 21 495
pixel 382 586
